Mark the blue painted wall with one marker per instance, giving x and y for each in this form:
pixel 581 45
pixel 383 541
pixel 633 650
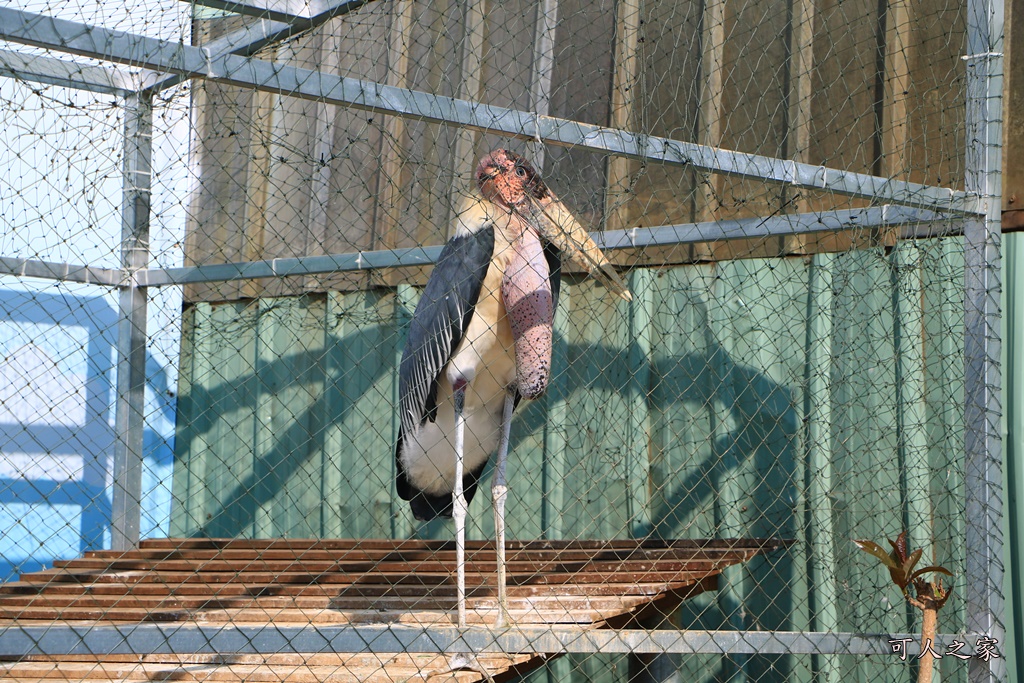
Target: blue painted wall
pixel 57 379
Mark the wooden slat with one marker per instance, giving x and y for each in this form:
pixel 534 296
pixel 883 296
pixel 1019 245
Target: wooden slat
pixel 100 602
pixel 303 564
pixel 384 669
pixel 404 545
pixel 387 579
pixel 225 590
pixel 351 582
pixel 360 555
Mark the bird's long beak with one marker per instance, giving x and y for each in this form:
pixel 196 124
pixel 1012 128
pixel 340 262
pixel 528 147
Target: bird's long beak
pixel 557 225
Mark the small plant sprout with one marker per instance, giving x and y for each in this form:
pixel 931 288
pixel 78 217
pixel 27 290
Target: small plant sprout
pixel 928 596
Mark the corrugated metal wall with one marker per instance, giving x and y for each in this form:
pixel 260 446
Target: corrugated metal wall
pixel 813 397
pixel 1013 453
pixel 817 398
pixel 860 86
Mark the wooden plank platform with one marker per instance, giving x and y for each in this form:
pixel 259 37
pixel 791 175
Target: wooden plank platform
pixel 587 584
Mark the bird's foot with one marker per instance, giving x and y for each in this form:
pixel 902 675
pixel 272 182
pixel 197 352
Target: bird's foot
pixel 461 661
pixel 504 618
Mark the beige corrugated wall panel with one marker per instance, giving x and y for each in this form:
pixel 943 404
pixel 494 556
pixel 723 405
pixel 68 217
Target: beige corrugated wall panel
pixel 279 177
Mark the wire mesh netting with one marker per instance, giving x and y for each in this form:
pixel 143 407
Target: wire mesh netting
pixel 232 345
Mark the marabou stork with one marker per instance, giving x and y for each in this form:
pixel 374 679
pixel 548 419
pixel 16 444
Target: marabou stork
pixel 480 340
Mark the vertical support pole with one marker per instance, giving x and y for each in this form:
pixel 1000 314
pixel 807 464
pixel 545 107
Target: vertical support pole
pixel 543 66
pixel 391 151
pixel 323 140
pixel 464 162
pixel 801 90
pixel 131 327
pixel 712 106
pixel 624 109
pixel 982 442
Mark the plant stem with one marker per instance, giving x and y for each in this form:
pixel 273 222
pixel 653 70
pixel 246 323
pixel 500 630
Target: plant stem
pixel 928 629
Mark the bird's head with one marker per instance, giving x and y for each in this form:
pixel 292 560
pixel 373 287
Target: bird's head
pixel 509 180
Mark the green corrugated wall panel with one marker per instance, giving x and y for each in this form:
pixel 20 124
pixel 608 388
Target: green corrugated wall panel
pixel 182 476
pixel 942 277
pixel 218 387
pixel 817 399
pixel 359 363
pixel 1013 402
pixel 551 460
pixel 866 495
pixel 680 441
pixel 286 482
pixel 595 487
pixel 816 474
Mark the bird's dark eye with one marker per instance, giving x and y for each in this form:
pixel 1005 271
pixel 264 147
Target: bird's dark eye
pixel 520 171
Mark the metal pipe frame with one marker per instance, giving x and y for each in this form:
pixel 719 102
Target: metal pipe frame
pixel 227 60
pixel 291 11
pixel 55 641
pixel 913 223
pixel 982 335
pixel 129 416
pixel 193 62
pixel 41 69
pixel 60 272
pixel 259 34
pixel 276 10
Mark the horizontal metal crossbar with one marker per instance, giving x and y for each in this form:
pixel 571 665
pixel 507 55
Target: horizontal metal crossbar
pixel 303 265
pixel 62 272
pixel 52 640
pixel 42 69
pixel 914 223
pixel 112 81
pixel 278 10
pixel 290 11
pixel 259 34
pixel 161 55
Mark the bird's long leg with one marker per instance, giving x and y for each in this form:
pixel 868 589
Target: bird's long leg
pixel 459 505
pixel 460 661
pixel 499 492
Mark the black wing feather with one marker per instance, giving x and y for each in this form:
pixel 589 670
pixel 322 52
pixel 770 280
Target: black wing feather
pixel 438 325
pixel 440 321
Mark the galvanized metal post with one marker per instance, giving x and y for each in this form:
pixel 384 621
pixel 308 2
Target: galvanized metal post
pixel 129 413
pixel 544 32
pixel 982 442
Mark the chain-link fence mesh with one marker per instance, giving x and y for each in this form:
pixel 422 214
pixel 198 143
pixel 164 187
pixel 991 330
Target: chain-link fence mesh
pixel 219 224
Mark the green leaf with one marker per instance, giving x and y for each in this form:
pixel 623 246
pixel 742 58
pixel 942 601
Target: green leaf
pixel 873 548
